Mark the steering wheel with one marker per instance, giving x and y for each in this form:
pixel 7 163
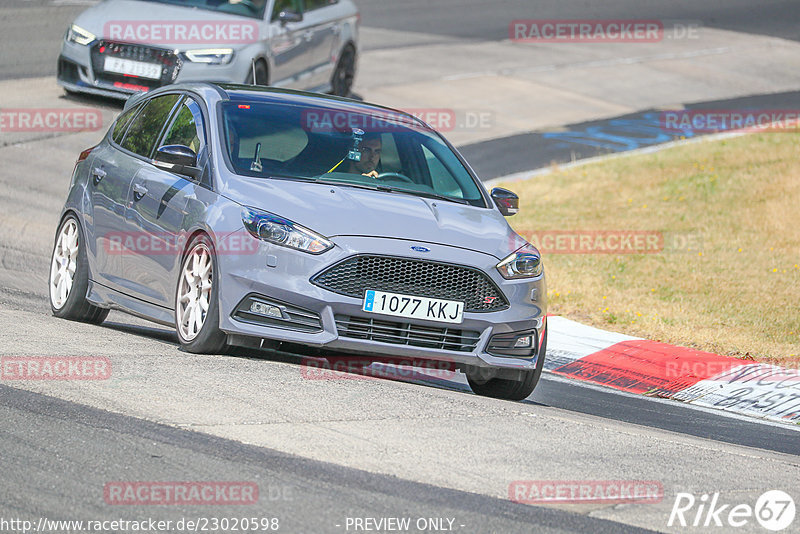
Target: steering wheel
pixel 401 177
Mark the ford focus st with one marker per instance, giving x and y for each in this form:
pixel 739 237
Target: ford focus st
pixel 248 216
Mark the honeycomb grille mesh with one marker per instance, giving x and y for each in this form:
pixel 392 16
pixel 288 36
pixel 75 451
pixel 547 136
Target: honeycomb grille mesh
pixel 353 276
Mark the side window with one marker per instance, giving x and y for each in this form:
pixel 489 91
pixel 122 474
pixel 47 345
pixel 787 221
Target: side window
pixel 147 126
pixel 187 127
pixel 316 4
pixel 122 123
pixel 292 6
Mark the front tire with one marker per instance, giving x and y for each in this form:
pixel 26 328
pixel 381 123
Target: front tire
pixel 262 76
pixel 197 302
pixel 515 390
pixel 69 276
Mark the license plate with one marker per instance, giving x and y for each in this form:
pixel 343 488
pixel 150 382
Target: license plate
pixel 132 68
pixel 397 305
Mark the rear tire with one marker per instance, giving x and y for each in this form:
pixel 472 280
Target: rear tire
pixel 516 390
pixel 69 276
pixel 197 301
pixel 345 73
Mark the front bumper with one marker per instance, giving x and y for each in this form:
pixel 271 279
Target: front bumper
pixel 78 72
pixel 283 276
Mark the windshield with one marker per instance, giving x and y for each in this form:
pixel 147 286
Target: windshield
pixel 387 151
pixel 245 8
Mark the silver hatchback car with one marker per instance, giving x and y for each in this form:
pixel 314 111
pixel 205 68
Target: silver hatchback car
pixel 120 47
pixel 255 216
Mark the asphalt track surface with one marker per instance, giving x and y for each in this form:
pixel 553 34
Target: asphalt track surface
pixel 478 20
pixel 56 455
pixel 534 150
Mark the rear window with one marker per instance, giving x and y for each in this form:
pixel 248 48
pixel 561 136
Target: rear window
pixel 122 123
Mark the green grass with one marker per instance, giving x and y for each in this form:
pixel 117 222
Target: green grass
pixel 727 280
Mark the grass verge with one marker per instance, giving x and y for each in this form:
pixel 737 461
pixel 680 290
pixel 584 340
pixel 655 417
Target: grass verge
pixel 724 278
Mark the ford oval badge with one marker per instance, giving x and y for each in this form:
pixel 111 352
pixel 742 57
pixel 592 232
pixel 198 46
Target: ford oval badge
pixel 420 249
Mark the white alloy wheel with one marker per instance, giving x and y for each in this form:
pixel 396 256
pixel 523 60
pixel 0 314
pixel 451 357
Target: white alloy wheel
pixel 65 261
pixel 194 291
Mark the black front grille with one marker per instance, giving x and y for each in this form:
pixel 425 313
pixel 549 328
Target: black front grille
pixel 420 278
pixel 169 61
pixel 401 333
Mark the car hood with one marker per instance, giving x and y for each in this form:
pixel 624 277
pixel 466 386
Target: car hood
pixel 96 19
pixel 334 210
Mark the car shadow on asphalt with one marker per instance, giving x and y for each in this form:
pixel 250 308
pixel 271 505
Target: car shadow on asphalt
pixel 161 334
pixel 316 364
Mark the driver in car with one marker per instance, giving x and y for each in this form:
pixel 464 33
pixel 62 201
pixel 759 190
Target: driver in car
pixel 370 156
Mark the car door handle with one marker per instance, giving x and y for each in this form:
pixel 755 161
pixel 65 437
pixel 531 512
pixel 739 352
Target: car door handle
pixel 97 175
pixel 308 35
pixel 139 191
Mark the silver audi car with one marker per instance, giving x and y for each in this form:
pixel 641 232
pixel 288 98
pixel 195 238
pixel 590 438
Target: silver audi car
pixel 252 216
pixel 120 47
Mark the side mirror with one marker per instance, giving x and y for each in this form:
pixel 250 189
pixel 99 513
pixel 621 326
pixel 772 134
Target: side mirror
pixel 507 201
pixel 178 159
pixel 285 17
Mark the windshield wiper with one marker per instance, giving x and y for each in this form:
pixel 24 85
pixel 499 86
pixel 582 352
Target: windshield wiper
pixel 422 194
pixel 390 189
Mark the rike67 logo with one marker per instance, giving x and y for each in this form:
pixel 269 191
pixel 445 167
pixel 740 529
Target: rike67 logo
pixel 774 510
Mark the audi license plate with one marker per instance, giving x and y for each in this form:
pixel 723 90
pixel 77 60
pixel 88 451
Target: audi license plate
pixel 397 305
pixel 132 68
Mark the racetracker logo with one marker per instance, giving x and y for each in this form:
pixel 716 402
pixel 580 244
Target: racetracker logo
pixel 601 31
pixel 182 32
pixel 608 241
pixel 169 244
pixel 363 368
pixel 55 368
pixel 440 119
pixel 723 120
pixel 50 120
pixel 180 493
pixel 586 491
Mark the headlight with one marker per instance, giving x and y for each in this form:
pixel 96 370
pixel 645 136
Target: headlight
pixel 269 227
pixel 212 56
pixel 78 35
pixel 526 262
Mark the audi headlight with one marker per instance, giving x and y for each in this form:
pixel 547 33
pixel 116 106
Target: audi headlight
pixel 274 229
pixel 211 56
pixel 526 262
pixel 77 35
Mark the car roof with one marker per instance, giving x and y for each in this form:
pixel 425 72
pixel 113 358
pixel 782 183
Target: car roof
pixel 258 93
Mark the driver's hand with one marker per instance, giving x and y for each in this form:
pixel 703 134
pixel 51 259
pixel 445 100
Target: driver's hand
pixel 371 174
